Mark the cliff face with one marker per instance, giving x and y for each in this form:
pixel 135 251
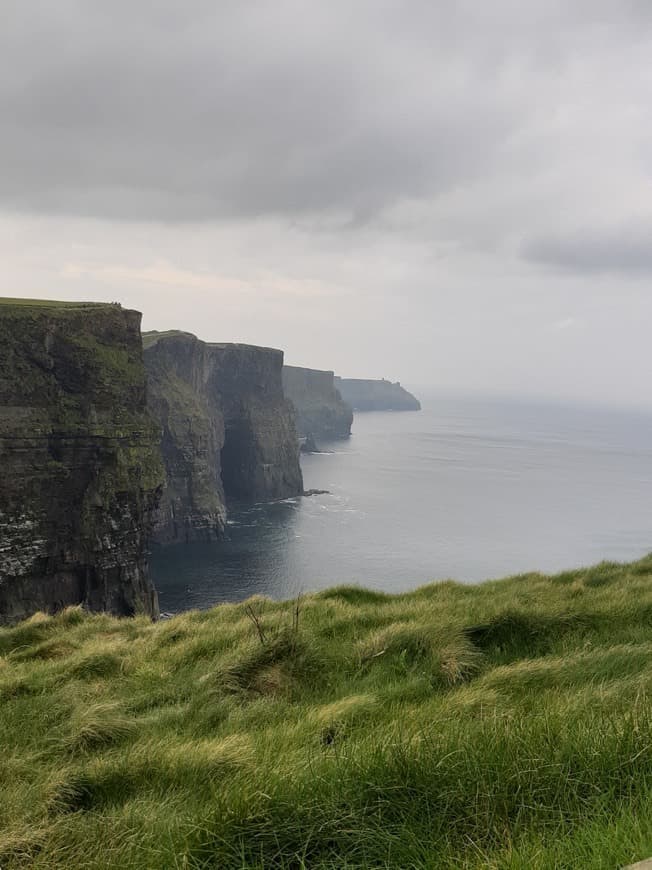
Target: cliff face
pixel 192 506
pixel 228 431
pixel 260 459
pixel 81 471
pixel 373 395
pixel 321 411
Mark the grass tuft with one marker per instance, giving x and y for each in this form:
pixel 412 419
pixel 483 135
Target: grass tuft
pixel 272 666
pixel 98 725
pixel 96 664
pixel 517 634
pixel 354 595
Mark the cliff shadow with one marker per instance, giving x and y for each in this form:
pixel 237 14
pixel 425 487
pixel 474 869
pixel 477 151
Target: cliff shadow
pixel 238 462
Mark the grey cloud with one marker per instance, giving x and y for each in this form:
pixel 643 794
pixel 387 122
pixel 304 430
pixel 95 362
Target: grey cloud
pixel 623 249
pixel 199 110
pixel 349 180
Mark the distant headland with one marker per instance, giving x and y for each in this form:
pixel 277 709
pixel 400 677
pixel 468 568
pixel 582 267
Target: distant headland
pixel 376 395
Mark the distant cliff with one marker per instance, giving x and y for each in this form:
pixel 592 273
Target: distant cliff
pixel 81 470
pixel 373 395
pixel 321 411
pixel 192 427
pixel 228 432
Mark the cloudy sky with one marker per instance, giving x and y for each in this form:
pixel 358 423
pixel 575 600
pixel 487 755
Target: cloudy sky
pixel 446 192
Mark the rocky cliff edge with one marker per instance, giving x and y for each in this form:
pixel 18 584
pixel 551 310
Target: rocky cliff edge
pixel 81 471
pixel 321 411
pixel 228 432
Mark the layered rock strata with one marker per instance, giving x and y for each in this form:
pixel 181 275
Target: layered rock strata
pixel 321 411
pixel 192 506
pixel 228 432
pixel 81 469
pixel 376 395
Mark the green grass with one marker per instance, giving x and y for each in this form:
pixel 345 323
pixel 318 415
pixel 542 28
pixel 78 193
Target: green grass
pixel 10 302
pixel 507 725
pixel 150 338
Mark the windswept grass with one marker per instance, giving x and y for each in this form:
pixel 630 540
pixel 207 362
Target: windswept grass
pixel 7 302
pixel 507 725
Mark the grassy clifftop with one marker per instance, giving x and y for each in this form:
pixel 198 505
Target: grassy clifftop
pixel 151 337
pixel 505 725
pixel 81 470
pixel 7 303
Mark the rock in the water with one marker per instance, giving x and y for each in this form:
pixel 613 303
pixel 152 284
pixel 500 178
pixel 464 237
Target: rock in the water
pixel 321 412
pixel 81 468
pixel 376 395
pixel 309 445
pixel 228 431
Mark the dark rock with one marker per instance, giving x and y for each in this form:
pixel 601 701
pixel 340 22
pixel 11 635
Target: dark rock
pixel 310 492
pixel 309 445
pixel 228 431
pixel 81 469
pixel 193 504
pixel 320 409
pixel 376 395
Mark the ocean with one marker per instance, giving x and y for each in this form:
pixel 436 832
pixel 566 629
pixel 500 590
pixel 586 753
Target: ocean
pixel 465 489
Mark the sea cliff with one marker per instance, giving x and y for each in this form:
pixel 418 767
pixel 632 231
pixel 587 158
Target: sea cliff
pixel 321 411
pixel 376 395
pixel 81 471
pixel 228 432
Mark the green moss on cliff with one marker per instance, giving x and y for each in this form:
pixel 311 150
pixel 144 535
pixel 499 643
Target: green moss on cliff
pixel 80 457
pixel 114 363
pixel 7 302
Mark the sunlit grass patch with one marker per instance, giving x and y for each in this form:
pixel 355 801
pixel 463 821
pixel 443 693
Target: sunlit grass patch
pixel 355 595
pixel 98 725
pixel 20 847
pixel 336 719
pixel 155 766
pixel 444 654
pixel 54 648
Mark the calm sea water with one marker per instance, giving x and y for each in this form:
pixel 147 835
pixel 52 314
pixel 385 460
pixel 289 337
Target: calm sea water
pixel 464 489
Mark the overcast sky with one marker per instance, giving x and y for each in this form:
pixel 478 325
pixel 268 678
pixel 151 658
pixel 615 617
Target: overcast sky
pixel 446 192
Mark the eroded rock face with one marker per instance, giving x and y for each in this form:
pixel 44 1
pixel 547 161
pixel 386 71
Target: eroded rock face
pixel 81 470
pixel 376 395
pixel 321 411
pixel 260 456
pixel 228 431
pixel 192 507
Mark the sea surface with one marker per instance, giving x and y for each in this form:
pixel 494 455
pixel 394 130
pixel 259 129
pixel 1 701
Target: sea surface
pixel 465 489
